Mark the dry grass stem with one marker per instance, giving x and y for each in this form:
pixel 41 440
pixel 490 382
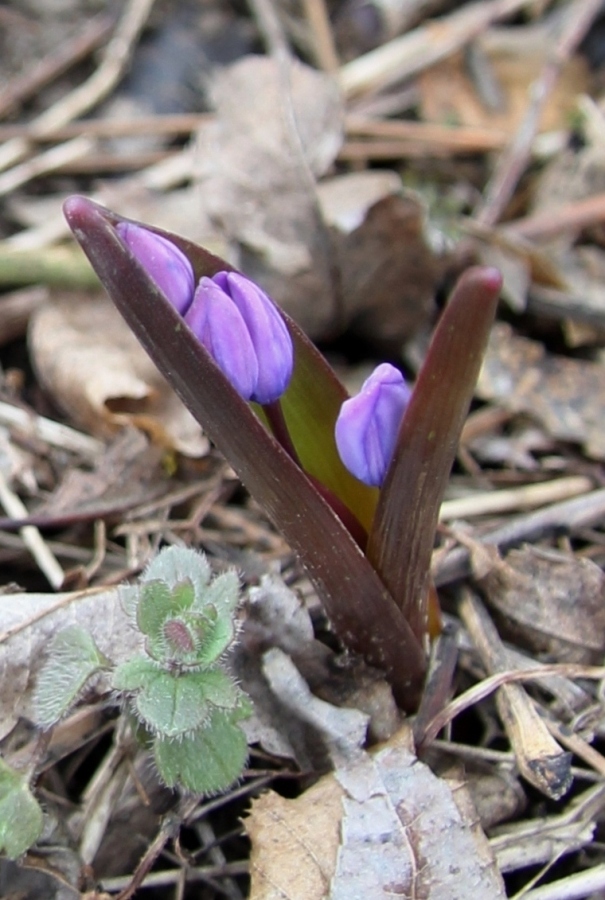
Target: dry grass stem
pixel 33 540
pixel 415 51
pixel 579 16
pixel 540 759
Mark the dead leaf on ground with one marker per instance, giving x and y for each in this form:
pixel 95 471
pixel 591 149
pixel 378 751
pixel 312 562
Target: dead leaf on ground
pixel 276 129
pixel 95 369
pixel 28 623
pixel 388 272
pixel 383 825
pixel 567 396
pixel 552 602
pixel 511 59
pixel 129 471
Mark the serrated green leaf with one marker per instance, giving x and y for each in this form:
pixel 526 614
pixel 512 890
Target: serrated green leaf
pixel 157 603
pixel 206 762
pixel 174 565
pixel 20 814
pixel 222 594
pixel 134 674
pixel 219 688
pixel 217 638
pixel 73 659
pixel 173 704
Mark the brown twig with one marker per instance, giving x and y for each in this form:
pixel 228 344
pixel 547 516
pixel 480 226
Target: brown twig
pixel 169 125
pixel 69 52
pixel 415 51
pixel 94 89
pixel 569 515
pixel 323 39
pixel 540 759
pixel 542 226
pixel 511 165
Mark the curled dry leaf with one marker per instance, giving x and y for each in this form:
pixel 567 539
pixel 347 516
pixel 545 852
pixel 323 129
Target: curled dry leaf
pixel 380 826
pixel 388 272
pixel 563 608
pixel 95 369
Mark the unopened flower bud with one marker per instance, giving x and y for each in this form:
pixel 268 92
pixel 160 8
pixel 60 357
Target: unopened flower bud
pixel 163 261
pixel 367 425
pixel 245 334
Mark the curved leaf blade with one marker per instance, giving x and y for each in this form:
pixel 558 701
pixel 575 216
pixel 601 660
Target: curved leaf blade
pixel 402 536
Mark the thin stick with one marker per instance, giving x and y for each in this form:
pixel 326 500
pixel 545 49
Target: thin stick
pixel 580 512
pixel 69 52
pixel 526 497
pixel 512 163
pixel 590 883
pixel 51 432
pixel 464 137
pixel 415 51
pixel 92 91
pixel 323 38
pixel 568 217
pixel 55 158
pixel 540 758
pixel 490 684
pixel 33 540
pixel 170 125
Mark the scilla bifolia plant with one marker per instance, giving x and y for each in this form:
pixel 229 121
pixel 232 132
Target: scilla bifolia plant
pixel 364 528
pixel 184 704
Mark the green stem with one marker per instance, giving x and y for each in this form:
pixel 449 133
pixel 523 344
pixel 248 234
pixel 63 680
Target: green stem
pixel 277 423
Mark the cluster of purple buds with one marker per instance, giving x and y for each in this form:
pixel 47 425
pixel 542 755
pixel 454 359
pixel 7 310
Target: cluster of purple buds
pixel 248 339
pixel 368 424
pixel 234 319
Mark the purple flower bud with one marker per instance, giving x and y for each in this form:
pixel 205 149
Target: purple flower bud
pixel 246 335
pixel 163 261
pixel 367 425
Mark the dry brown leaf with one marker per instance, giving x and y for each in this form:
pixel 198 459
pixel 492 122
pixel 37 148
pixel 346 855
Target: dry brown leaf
pixel 277 128
pixel 567 396
pixel 388 272
pixel 381 826
pixel 552 602
pixel 513 58
pixel 28 622
pixel 95 369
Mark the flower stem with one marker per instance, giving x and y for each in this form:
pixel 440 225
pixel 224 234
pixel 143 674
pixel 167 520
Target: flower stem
pixel 277 422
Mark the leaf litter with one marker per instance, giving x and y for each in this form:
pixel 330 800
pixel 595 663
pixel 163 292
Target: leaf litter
pixel 355 209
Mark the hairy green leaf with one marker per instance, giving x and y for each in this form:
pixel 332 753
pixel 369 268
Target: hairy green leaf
pixel 20 814
pixel 160 600
pixel 206 762
pixel 134 674
pixel 73 659
pixel 175 565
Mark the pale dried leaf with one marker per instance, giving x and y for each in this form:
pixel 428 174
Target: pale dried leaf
pixel 403 832
pixel 567 396
pixel 295 843
pixel 95 369
pixel 277 128
pixel 511 59
pixel 563 608
pixel 28 623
